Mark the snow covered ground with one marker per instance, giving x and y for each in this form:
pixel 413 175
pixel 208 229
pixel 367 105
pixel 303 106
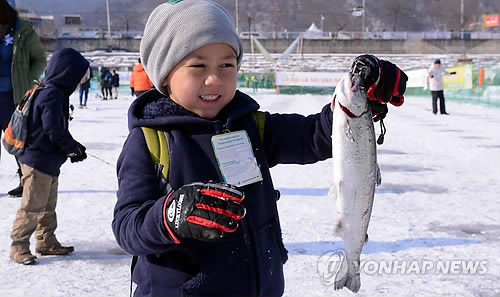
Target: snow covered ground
pixel 438 205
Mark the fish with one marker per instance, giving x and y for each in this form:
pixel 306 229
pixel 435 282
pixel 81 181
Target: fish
pixel 355 174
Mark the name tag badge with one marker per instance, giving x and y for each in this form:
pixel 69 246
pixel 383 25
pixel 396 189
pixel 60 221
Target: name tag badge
pixel 235 158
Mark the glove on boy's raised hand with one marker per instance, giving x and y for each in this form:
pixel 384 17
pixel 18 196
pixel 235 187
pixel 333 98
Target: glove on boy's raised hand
pixel 203 211
pixel 385 82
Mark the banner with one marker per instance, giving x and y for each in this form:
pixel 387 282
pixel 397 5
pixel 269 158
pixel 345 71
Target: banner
pixel 461 80
pixel 491 20
pixel 308 79
pixel 417 78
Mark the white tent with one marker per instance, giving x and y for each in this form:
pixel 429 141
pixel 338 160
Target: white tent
pixel 313 32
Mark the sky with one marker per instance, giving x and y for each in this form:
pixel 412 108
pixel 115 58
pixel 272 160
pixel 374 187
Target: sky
pixel 438 205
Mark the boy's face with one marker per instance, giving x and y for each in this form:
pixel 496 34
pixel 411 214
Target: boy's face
pixel 205 80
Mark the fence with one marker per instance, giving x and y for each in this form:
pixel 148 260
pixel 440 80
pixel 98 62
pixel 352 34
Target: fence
pixel 389 35
pixel 485 86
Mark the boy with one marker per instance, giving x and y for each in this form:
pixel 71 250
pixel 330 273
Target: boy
pixel 43 157
pixel 203 236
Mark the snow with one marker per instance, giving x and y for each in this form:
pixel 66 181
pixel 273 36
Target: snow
pixel 438 201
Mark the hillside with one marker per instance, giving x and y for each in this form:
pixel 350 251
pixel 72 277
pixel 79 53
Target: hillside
pixel 290 15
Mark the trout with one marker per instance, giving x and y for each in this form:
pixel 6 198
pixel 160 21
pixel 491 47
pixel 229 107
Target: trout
pixel 355 174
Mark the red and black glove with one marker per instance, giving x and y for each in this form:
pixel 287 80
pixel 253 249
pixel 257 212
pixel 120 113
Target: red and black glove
pixel 203 211
pixel 384 81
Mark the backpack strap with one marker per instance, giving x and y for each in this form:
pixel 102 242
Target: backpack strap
pixel 158 148
pixel 260 119
pixel 38 133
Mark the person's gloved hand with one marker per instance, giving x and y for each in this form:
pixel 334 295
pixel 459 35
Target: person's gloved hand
pixel 379 110
pixel 384 81
pixel 203 211
pixel 78 154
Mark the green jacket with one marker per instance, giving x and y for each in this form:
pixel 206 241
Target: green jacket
pixel 28 60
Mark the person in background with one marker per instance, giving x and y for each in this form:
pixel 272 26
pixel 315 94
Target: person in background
pixel 115 83
pixel 436 85
pixel 200 235
pixel 139 80
pixel 84 89
pixel 19 68
pixel 106 84
pixel 41 161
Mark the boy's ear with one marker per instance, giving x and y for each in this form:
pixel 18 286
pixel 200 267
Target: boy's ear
pixel 165 84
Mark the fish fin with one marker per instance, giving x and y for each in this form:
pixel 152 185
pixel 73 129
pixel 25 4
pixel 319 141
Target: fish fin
pixel 354 283
pixel 340 284
pixel 347 131
pixel 341 275
pixel 379 176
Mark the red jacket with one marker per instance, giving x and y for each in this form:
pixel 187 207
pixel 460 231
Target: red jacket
pixel 139 79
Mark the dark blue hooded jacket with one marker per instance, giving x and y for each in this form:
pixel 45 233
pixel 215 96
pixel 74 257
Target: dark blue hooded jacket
pixel 50 110
pixel 247 262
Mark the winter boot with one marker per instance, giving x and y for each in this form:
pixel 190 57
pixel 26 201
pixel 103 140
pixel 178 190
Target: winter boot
pixel 23 256
pixel 57 250
pixel 17 192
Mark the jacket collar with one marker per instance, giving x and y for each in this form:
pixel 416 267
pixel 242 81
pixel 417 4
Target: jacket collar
pixel 153 109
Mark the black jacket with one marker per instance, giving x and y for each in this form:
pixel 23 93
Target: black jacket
pixel 115 80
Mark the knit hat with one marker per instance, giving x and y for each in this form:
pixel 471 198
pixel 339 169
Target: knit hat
pixel 177 28
pixel 437 61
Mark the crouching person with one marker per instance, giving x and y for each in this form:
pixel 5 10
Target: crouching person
pixel 43 156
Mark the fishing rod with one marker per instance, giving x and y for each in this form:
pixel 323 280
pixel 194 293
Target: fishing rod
pixel 104 161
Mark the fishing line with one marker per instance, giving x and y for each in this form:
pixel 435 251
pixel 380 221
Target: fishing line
pixel 104 161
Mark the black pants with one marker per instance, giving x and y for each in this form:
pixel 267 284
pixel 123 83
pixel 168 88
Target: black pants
pixel 106 92
pixel 435 96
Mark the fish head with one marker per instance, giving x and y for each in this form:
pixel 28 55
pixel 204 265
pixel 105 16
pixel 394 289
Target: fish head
pixel 351 94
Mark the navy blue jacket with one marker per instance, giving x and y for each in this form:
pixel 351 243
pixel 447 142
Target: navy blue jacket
pixel 247 262
pixel 50 110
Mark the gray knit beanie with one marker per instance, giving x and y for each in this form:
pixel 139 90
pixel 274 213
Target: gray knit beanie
pixel 177 28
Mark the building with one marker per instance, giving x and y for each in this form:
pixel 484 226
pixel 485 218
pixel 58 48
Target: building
pixel 43 25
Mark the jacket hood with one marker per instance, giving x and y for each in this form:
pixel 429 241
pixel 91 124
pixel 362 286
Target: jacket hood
pixel 138 67
pixel 65 70
pixel 153 109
